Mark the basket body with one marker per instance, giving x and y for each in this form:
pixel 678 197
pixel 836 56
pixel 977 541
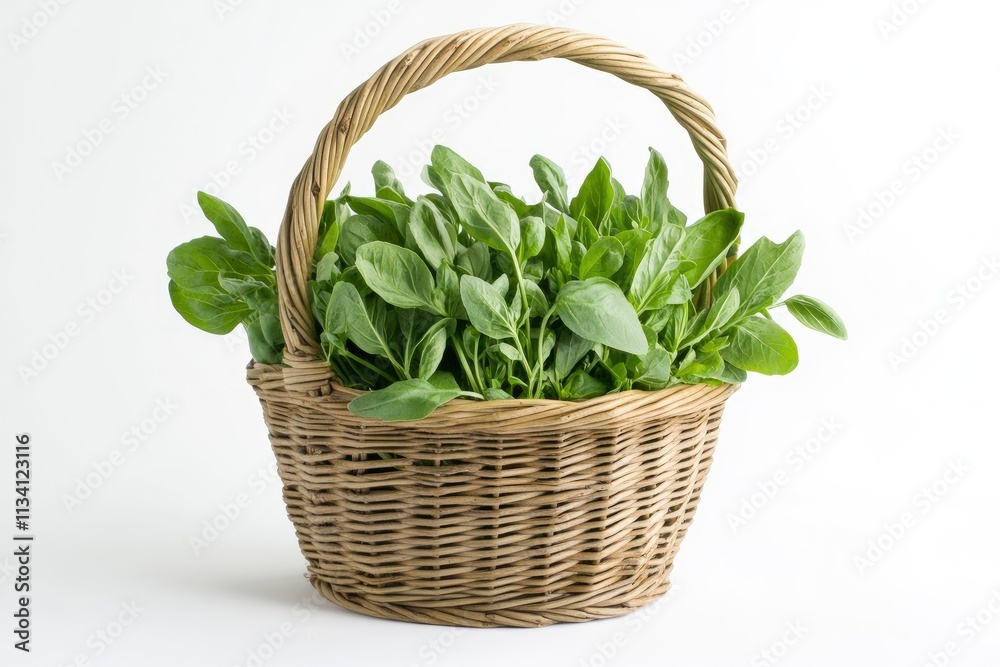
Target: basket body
pixel 504 513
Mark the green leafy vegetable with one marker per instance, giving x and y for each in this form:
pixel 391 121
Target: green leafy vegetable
pixel 473 292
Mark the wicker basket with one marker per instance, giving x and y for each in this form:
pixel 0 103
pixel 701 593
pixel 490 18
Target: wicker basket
pixel 546 511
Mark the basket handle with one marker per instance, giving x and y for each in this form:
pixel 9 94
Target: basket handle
pixel 421 66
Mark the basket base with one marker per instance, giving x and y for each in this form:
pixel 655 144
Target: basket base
pixel 480 616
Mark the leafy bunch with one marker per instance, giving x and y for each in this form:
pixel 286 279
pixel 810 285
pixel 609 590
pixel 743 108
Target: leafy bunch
pixel 472 291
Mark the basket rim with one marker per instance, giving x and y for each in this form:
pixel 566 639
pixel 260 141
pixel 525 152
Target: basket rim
pixel 676 400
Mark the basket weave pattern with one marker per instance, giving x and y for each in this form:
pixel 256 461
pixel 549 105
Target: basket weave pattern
pixel 499 513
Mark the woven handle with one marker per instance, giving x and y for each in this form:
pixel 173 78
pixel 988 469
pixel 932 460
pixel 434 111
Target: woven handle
pixel 421 66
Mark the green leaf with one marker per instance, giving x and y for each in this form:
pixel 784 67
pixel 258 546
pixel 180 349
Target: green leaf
pixel 328 267
pixel 581 385
pixel 231 227
pixel 762 274
pixel 432 347
pixel 722 312
pixel 403 400
pixel 603 259
pixel 564 246
pixel 759 345
pixel 215 312
pixel 506 351
pixel 596 195
pixel 570 349
pixel 256 294
pixel 532 238
pixel 476 261
pixel 347 312
pixel 655 370
pixel 816 315
pixel 733 375
pixel 445 164
pixel 197 263
pixel 390 212
pixel 487 309
pixel 538 303
pixel 551 181
pixel 385 177
pixel 449 285
pixel 596 309
pixel 260 336
pixel 443 380
pixel 493 394
pixel 361 229
pixel 398 275
pixel 436 237
pixel 483 215
pixel 329 228
pixel 658 280
pixel 655 204
pixel 707 242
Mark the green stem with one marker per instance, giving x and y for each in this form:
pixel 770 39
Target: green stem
pixel 370 366
pixel 457 344
pixel 538 362
pixel 475 366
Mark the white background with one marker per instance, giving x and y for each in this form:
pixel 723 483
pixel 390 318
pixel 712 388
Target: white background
pixel 882 429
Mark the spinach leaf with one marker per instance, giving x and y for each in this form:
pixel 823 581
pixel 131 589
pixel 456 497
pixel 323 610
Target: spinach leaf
pixel 403 400
pixel 487 309
pixel 483 215
pixel 552 181
pixel 759 345
pixel 816 315
pixel 596 195
pixel 596 309
pixel 361 229
pixel 707 242
pixel 399 276
pixel 603 258
pixel 436 237
pixel 658 281
pixel 762 274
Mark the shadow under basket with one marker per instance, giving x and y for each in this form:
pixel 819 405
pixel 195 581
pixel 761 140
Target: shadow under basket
pixel 500 513
pixel 490 513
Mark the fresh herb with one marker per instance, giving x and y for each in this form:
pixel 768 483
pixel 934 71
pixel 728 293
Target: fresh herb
pixel 219 283
pixel 473 292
